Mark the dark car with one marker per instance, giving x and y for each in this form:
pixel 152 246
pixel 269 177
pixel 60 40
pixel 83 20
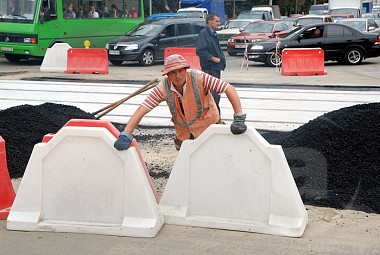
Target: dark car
pixel 147 41
pixel 339 42
pixel 254 32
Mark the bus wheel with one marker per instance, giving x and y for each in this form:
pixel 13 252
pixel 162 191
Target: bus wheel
pixel 147 57
pixel 13 58
pixel 116 62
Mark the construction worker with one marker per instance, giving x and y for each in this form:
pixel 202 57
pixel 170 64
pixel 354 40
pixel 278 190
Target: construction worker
pixel 187 94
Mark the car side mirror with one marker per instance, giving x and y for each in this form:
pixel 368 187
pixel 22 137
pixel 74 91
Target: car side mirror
pixel 371 28
pixel 162 35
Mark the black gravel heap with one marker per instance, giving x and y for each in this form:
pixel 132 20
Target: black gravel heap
pixel 335 158
pixel 24 126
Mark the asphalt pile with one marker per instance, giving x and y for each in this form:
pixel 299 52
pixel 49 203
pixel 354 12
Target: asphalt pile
pixel 334 159
pixel 24 126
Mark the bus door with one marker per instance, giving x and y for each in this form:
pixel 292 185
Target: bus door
pixel 48 23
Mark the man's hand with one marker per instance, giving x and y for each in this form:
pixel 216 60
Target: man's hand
pixel 215 59
pixel 124 141
pixel 238 126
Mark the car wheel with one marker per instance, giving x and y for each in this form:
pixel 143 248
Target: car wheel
pixel 13 58
pixel 147 57
pixel 232 53
pixel 274 59
pixel 353 56
pixel 116 62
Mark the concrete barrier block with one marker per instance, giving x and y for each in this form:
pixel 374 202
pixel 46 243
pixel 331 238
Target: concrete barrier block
pixel 236 182
pixel 78 182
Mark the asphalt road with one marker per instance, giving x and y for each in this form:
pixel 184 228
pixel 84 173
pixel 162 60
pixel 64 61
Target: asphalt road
pixel 257 74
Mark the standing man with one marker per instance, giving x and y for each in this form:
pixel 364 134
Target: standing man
pixel 209 51
pixel 187 94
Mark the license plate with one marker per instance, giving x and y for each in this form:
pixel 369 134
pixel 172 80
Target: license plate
pixel 114 52
pixel 240 46
pixel 6 49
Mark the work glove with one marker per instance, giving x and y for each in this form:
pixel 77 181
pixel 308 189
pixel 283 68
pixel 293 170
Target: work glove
pixel 238 126
pixel 124 141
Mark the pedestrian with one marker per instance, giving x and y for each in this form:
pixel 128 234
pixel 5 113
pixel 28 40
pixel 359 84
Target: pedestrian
pixel 209 51
pixel 187 94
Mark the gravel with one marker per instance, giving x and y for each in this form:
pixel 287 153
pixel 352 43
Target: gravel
pixel 334 159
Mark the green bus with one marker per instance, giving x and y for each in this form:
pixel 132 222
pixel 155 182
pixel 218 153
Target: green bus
pixel 29 27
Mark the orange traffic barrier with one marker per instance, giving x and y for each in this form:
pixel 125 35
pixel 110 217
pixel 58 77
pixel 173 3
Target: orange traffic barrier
pixel 188 53
pixel 7 194
pixel 87 61
pixel 306 61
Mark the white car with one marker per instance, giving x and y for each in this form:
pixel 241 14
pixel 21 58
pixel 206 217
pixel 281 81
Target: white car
pixel 364 25
pixel 313 19
pixel 232 27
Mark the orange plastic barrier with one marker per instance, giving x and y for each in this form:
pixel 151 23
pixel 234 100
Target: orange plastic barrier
pixel 87 61
pixel 188 53
pixel 7 194
pixel 306 61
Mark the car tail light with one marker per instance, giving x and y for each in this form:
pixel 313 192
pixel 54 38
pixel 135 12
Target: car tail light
pixel 377 42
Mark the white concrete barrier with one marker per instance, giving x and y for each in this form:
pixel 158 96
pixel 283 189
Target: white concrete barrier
pixel 236 182
pixel 55 59
pixel 78 182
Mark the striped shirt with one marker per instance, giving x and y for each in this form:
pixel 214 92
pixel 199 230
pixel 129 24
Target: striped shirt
pixel 155 97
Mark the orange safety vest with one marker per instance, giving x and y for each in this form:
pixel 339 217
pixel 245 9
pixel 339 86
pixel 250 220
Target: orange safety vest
pixel 199 107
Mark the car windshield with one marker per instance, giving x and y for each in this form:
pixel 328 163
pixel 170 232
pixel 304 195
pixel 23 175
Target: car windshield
pixel 144 30
pixel 17 11
pixel 194 14
pixel 236 24
pixel 291 33
pixel 250 15
pixel 377 21
pixel 344 11
pixel 359 25
pixel 309 21
pixel 259 28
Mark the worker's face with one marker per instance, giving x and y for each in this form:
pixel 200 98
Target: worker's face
pixel 215 23
pixel 177 77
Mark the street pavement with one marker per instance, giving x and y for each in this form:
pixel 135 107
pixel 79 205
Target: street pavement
pixel 272 101
pixel 269 98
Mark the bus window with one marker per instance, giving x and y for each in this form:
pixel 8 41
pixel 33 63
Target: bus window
pixel 35 37
pixel 49 9
pixel 17 10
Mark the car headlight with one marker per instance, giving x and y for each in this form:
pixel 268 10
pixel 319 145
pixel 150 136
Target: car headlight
pixel 231 40
pixel 107 46
pixel 257 47
pixel 128 46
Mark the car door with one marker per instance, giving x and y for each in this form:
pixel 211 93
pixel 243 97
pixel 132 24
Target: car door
pixel 185 38
pixel 167 38
pixel 337 38
pixel 306 39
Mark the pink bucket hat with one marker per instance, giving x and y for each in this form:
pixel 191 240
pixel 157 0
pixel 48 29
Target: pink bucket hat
pixel 174 62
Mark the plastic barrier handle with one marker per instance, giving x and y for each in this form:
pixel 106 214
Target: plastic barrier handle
pixel 112 106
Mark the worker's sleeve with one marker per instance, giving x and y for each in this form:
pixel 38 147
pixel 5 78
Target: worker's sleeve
pixel 202 46
pixel 212 83
pixel 154 98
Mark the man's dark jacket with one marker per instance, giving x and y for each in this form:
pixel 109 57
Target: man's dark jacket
pixel 207 47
